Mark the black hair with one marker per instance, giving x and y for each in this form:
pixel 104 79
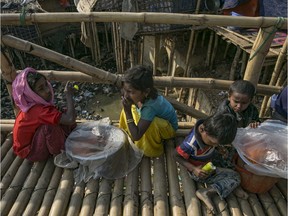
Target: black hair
pixel 243 87
pixel 32 79
pixel 141 78
pixel 222 126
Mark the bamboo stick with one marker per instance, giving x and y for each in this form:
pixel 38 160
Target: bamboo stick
pixel 116 47
pixel 188 54
pixel 103 199
pixel 160 187
pixel 144 17
pixel 268 204
pixel 214 52
pixel 203 38
pixel 27 189
pixel 39 191
pixel 63 194
pixel 117 198
pixel 282 186
pixel 76 199
pixel 130 203
pixel 226 49
pixel 245 206
pixel 7 161
pixel 107 37
pixel 233 205
pixel 265 74
pixel 282 76
pixel 195 44
pixel 175 197
pixel 243 64
pixel 275 74
pixel 255 205
pixel 63 60
pixel 131 54
pixel 279 200
pixel 156 53
pixel 7 144
pixel 90 197
pixel 221 205
pixel 260 47
pixel 9 175
pixel 16 185
pixel 208 56
pixel 146 202
pixel 50 192
pixel 234 63
pixel 141 50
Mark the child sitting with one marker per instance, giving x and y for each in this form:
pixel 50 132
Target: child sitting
pixel 239 104
pixel 198 148
pixel 146 116
pixel 40 129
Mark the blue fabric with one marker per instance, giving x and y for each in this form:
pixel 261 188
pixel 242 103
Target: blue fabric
pixel 273 8
pixel 161 108
pixel 281 103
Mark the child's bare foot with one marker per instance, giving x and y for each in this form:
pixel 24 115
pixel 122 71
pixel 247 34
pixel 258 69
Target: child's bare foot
pixel 240 193
pixel 203 194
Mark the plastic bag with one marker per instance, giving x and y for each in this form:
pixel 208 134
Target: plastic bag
pixel 264 149
pixel 101 150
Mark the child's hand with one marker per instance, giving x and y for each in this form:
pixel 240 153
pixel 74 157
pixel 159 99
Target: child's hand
pixel 126 103
pixel 69 88
pixel 254 124
pixel 197 171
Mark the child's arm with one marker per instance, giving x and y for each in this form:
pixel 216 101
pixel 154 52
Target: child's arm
pixel 190 167
pixel 69 117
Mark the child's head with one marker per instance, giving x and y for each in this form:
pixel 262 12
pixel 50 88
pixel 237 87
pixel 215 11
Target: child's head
pixel 218 129
pixel 240 95
pixel 138 82
pixel 38 83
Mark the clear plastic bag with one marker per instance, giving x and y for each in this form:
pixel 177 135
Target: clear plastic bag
pixel 101 150
pixel 264 149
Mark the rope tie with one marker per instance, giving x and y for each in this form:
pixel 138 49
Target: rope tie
pixel 279 23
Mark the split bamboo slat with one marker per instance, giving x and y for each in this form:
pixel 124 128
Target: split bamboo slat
pixel 279 200
pixel 282 186
pixel 233 205
pixel 268 204
pixel 103 199
pixel 255 205
pixel 89 197
pixel 7 161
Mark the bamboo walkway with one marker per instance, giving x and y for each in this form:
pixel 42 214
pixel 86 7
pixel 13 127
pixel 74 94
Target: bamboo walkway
pixel 157 187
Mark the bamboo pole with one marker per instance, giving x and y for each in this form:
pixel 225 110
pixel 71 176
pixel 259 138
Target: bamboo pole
pixel 8 72
pixel 203 38
pixel 255 205
pixel 146 187
pixel 63 194
pixel 265 74
pixel 50 192
pixel 275 74
pixel 7 161
pixel 156 53
pixel 107 37
pixel 258 53
pixel 63 60
pixel 39 191
pixel 117 198
pixel 7 144
pixel 188 54
pixel 76 199
pixel 130 203
pixel 243 64
pixel 279 200
pixel 234 64
pixel 282 186
pixel 144 17
pixel 282 76
pixel 268 204
pixel 27 189
pixel 131 54
pixel 103 199
pixel 15 187
pixel 90 197
pixel 214 52
pixel 195 44
pixel 221 206
pixel 9 175
pixel 208 56
pixel 175 197
pixel 226 49
pixel 233 205
pixel 160 187
pixel 116 47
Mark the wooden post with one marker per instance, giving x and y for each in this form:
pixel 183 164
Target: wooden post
pixel 258 53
